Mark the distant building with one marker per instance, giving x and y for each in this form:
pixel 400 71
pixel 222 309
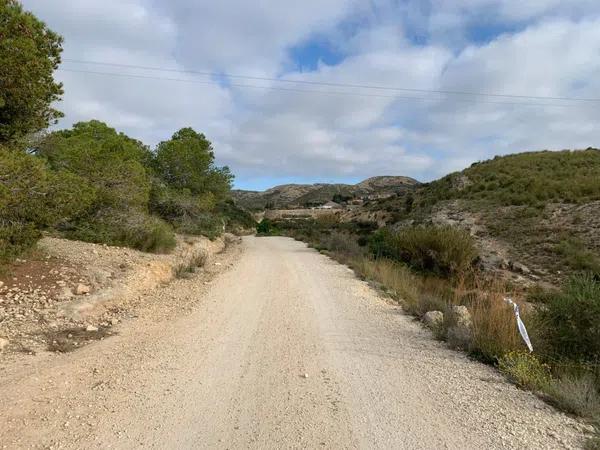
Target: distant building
pixel 330 205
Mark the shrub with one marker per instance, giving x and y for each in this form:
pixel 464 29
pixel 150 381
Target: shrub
pixel 526 370
pixel 237 219
pixel 16 238
pixel 327 221
pixel 577 256
pixel 571 320
pixel 266 228
pixel 522 179
pixel 32 197
pixel 576 394
pixel 187 213
pixel 204 224
pixel 443 250
pixel 495 330
pixel 399 281
pixel 189 266
pixel 593 443
pixel 339 242
pixel 31 193
pixel 134 229
pixel 540 294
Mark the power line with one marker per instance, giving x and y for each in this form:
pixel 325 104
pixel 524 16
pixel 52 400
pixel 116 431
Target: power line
pixel 331 84
pixel 277 88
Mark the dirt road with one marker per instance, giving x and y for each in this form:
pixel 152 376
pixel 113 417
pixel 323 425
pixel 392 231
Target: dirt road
pixel 285 349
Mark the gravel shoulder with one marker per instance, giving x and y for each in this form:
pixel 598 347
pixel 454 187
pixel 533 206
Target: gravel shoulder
pixel 283 349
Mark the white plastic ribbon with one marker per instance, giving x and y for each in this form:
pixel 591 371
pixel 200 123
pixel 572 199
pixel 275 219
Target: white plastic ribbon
pixel 520 324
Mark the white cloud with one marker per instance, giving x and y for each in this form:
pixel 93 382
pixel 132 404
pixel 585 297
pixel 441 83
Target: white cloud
pixel 541 47
pixel 234 35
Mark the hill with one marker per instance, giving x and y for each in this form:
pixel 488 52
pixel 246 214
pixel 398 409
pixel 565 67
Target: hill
pixel 302 195
pixel 538 211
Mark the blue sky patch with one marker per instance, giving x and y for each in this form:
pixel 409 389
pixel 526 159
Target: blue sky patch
pixel 307 55
pixel 485 32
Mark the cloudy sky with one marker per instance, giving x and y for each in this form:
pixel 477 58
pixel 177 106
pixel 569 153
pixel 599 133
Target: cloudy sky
pixel 225 69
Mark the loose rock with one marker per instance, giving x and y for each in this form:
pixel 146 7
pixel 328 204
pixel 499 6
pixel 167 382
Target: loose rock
pixel 82 289
pixel 433 319
pixel 460 333
pixel 518 267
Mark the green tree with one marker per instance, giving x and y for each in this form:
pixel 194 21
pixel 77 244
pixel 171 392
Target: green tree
pixel 32 197
pixel 29 54
pixel 186 161
pixel 117 166
pixel 112 162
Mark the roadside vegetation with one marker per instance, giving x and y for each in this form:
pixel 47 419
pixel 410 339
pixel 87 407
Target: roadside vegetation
pixel 435 268
pixel 532 179
pixel 91 182
pixel 543 205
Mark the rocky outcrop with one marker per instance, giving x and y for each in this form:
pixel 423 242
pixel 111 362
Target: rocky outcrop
pixel 433 320
pixel 460 331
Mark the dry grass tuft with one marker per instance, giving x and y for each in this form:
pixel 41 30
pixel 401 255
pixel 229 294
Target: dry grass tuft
pixel 398 280
pixel 495 330
pixel 189 266
pixel 576 394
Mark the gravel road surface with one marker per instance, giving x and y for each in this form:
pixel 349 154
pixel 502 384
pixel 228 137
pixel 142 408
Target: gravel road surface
pixel 284 349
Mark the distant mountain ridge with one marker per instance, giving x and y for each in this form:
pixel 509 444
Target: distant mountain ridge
pixel 302 195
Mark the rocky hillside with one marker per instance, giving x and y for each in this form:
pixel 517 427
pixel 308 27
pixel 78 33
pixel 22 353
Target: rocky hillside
pixel 303 195
pixel 537 212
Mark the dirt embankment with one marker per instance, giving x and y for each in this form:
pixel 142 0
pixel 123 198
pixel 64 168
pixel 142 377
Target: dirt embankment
pixel 68 293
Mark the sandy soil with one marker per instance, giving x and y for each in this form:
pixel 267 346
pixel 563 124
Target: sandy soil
pixel 284 349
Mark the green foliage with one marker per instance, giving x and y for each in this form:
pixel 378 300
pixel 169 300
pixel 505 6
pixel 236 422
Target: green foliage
pixel 32 197
pixel 532 179
pixel 526 370
pixel 16 238
pixel 571 320
pixel 577 256
pixel 341 198
pixel 117 167
pixel 111 162
pixel 442 250
pixel 206 224
pixel 186 161
pixel 266 227
pixel 189 192
pixel 187 213
pixel 30 192
pixel 29 54
pixel 132 228
pixel 90 181
pixel 237 219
